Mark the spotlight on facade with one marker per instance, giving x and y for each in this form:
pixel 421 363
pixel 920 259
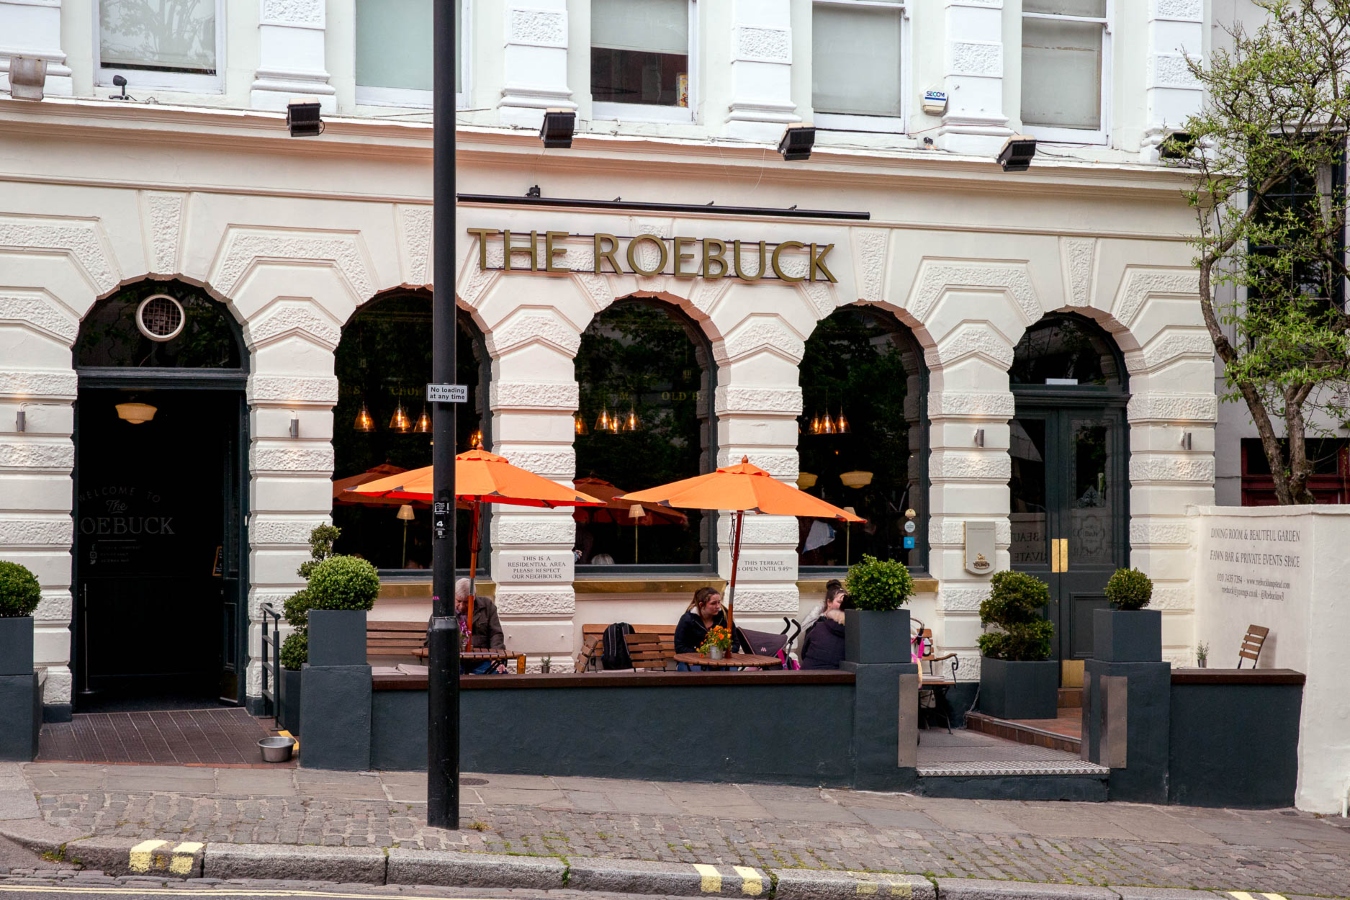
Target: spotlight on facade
pixel 1177 145
pixel 303 119
pixel 558 128
pixel 797 142
pixel 27 76
pixel 1017 153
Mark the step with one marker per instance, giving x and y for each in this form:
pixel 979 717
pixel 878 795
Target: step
pixel 1015 781
pixel 1022 733
pixel 1070 698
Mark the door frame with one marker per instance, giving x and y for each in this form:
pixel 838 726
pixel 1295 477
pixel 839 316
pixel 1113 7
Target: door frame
pixel 1065 401
pixel 168 379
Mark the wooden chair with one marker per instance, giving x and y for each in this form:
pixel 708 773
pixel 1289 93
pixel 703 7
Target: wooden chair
pixel 925 641
pixel 592 643
pixel 933 698
pixel 1252 642
pixel 647 651
pixel 394 639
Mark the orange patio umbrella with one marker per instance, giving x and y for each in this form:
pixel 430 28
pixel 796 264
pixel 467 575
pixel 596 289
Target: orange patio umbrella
pixel 740 489
pixel 480 477
pixel 343 493
pixel 617 511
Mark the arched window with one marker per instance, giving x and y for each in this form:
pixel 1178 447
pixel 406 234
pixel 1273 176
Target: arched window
pixel 647 377
pixel 864 439
pixel 162 325
pixel 1066 350
pixel 382 424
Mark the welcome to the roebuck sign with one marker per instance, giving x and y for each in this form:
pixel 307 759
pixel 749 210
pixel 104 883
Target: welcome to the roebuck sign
pixel 683 257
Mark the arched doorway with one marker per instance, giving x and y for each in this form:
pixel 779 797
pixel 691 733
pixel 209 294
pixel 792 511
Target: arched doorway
pixel 864 440
pixel 161 443
pixel 1069 489
pixel 382 425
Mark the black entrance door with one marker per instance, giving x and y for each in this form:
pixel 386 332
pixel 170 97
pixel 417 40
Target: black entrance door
pixel 158 523
pixel 1069 511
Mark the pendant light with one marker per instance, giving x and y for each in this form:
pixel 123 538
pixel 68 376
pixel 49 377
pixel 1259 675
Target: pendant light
pixel 631 422
pixel 476 439
pixel 136 413
pixel 399 420
pixel 579 424
pixel 364 420
pixel 604 421
pixel 841 424
pixel 423 425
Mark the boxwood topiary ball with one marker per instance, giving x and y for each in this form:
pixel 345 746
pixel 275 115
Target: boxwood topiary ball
pixel 20 592
pixel 343 582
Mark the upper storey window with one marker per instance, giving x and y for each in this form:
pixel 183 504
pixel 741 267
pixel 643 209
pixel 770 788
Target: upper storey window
pixel 857 81
pixel 1065 69
pixel 640 56
pixel 160 43
pixel 395 53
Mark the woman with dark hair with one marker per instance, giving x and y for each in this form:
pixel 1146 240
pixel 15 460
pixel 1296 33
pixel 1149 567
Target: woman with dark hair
pixel 703 613
pixel 823 646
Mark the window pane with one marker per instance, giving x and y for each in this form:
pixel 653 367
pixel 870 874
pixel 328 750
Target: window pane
pixel 640 51
pixel 855 60
pixel 394 44
pixel 1093 8
pixel 1061 74
pixel 170 35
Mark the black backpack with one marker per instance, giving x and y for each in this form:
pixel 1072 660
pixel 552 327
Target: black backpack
pixel 614 649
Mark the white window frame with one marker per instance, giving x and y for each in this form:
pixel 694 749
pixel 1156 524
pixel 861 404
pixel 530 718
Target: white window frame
pixel 408 98
pixel 643 112
pixel 878 124
pixel 1102 134
pixel 147 79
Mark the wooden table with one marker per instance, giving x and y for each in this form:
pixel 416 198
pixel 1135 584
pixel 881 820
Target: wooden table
pixel 477 656
pixel 730 661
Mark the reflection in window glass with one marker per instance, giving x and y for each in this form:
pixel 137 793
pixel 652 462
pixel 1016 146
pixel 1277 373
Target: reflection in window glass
pixel 640 52
pixel 855 58
pixel 646 381
pixel 394 44
pixel 109 335
pixel 382 364
pixel 159 35
pixel 863 439
pixel 1064 350
pixel 1062 50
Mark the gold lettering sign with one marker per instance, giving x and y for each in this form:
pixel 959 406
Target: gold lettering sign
pixel 647 255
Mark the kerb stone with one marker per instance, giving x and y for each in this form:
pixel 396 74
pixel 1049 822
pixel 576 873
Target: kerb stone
pixel 339 864
pixel 803 884
pixel 458 869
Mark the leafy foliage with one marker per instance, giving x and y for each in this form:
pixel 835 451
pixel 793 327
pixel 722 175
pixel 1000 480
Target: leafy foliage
pixel 343 582
pixel 1129 589
pixel 1014 605
pixel 878 584
pixel 1262 153
pixel 295 650
pixel 321 541
pixel 297 607
pixel 19 590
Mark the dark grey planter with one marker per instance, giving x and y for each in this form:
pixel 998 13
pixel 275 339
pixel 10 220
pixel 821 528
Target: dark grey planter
pixel 337 637
pixel 289 702
pixel 1013 689
pixel 1133 635
pixel 335 717
pixel 21 713
pixel 16 645
pixel 876 637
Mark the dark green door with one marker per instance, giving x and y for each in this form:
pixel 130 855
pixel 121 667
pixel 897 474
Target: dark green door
pixel 1069 505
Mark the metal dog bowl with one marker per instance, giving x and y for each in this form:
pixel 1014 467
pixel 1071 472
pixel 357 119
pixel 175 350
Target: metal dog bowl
pixel 276 749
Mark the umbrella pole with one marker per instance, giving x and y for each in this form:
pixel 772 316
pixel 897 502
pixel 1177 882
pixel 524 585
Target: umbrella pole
pixel 635 544
pixel 473 549
pixel 735 563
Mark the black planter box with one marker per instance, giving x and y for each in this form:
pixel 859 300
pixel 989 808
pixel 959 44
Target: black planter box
pixel 1133 635
pixel 337 637
pixel 1013 689
pixel 289 700
pixel 16 645
pixel 21 713
pixel 335 716
pixel 872 636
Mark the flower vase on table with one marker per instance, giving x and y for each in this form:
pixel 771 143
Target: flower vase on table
pixel 716 653
pixel 717 643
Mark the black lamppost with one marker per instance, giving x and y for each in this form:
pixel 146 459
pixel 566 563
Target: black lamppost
pixel 443 632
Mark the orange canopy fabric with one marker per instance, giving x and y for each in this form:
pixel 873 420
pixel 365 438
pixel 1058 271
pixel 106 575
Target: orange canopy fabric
pixel 484 478
pixel 744 488
pixel 615 510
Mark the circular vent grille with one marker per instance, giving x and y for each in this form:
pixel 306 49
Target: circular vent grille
pixel 160 317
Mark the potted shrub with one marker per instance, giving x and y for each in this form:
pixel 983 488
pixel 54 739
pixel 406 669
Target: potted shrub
pixel 295 649
pixel 341 590
pixel 1127 632
pixel 1018 679
pixel 876 629
pixel 20 699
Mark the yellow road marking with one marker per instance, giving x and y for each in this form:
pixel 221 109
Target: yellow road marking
pixel 752 885
pixel 711 878
pixel 902 889
pixel 867 888
pixel 183 854
pixel 142 853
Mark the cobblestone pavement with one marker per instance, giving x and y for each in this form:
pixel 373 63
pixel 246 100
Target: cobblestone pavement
pixel 1284 851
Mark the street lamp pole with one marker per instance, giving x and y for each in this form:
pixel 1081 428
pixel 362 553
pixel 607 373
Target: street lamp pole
pixel 443 632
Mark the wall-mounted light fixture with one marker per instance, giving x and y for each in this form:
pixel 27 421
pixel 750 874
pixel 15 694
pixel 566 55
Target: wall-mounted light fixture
pixel 303 118
pixel 558 128
pixel 27 77
pixel 21 419
pixel 295 424
pixel 797 142
pixel 120 81
pixel 1185 440
pixel 979 437
pixel 1017 153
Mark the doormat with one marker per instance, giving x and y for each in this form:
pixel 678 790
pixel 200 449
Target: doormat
pixel 226 736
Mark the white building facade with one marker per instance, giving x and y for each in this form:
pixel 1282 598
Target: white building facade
pixel 680 104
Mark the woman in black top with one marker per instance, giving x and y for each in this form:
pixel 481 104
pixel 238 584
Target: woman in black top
pixel 703 614
pixel 823 646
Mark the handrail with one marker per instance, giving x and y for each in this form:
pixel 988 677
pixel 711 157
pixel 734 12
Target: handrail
pixel 271 674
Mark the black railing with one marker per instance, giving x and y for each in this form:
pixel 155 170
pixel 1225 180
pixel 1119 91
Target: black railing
pixel 271 662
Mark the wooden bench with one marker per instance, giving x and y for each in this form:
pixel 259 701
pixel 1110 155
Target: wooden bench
pixel 592 644
pixel 395 639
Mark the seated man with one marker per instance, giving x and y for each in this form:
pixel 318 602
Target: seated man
pixel 486 631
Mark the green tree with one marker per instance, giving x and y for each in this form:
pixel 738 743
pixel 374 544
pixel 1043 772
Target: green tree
pixel 1263 152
